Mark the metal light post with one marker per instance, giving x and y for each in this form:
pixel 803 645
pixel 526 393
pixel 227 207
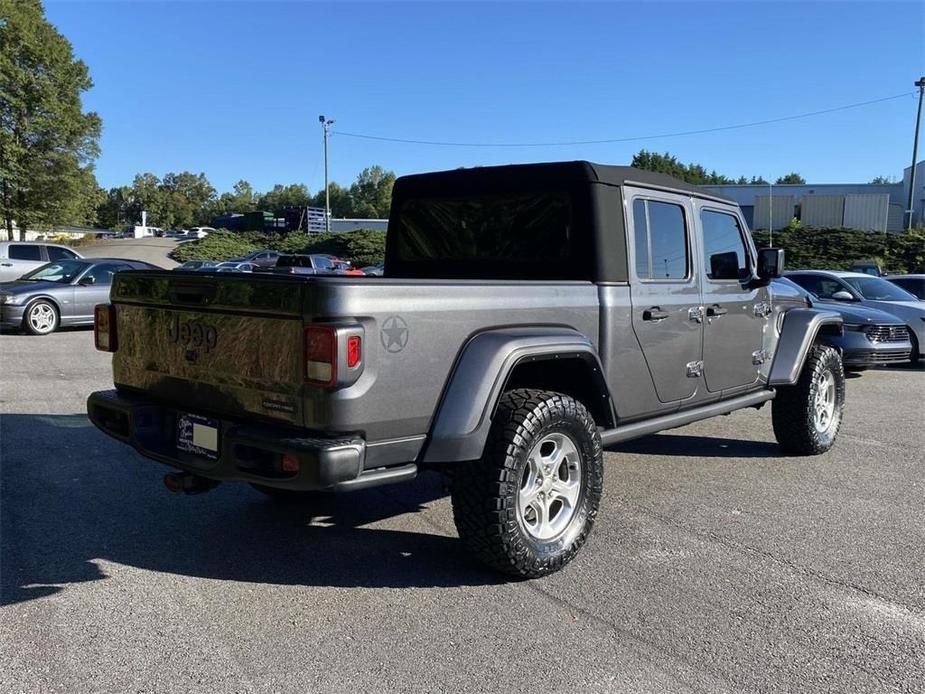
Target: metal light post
pixel 325 124
pixel 770 215
pixel 915 154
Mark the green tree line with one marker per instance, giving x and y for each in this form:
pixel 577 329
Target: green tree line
pixel 697 174
pixel 180 200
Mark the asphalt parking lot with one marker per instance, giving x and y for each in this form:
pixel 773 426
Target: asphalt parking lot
pixel 716 565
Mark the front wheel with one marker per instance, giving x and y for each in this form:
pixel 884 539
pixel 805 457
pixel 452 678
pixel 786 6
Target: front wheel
pixel 41 318
pixel 528 505
pixel 807 415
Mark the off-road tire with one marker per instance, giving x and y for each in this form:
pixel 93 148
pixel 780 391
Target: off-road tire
pixel 52 312
pixel 288 496
pixel 793 410
pixel 485 492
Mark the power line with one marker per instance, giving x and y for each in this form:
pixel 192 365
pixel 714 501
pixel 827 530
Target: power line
pixel 621 139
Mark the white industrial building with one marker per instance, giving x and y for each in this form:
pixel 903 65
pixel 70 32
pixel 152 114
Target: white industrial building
pixel 867 206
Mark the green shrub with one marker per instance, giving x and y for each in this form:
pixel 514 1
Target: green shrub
pixel 218 245
pixel 835 249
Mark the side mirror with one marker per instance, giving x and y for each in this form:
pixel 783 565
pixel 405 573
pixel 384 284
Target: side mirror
pixel 87 281
pixel 842 295
pixel 770 263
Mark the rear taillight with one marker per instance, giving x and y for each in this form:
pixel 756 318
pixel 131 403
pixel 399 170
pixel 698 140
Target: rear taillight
pixel 104 328
pixel 320 355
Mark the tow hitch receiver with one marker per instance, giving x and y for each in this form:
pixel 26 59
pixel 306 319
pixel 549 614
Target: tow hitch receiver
pixel 188 483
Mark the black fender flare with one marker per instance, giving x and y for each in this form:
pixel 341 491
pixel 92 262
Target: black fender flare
pixel 463 416
pixel 798 333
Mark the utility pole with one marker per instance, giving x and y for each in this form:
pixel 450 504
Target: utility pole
pixel 325 124
pixel 915 154
pixel 770 215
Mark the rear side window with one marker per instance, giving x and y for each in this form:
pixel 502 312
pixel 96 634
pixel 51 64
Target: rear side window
pixel 23 251
pixel 512 235
pixel 724 254
pixel 56 253
pixel 660 233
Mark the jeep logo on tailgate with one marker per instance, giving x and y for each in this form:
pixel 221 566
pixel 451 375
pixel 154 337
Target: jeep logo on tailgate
pixel 192 334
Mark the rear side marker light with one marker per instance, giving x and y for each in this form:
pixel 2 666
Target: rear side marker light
pixel 289 463
pixel 320 355
pixel 104 328
pixel 354 351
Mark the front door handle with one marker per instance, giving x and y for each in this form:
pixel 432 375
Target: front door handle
pixel 654 313
pixel 716 311
pixel 7 264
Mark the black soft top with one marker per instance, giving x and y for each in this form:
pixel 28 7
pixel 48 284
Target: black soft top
pixel 549 175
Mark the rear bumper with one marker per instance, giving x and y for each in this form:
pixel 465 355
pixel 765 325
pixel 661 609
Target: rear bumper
pixel 247 452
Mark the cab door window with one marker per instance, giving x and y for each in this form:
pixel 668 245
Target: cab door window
pixel 725 255
pixel 102 274
pixel 57 253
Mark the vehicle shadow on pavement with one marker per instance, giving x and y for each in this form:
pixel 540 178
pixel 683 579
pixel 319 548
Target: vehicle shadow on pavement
pixel 683 445
pixel 74 500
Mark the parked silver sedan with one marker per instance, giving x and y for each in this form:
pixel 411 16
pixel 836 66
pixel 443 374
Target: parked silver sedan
pixel 873 292
pixel 61 293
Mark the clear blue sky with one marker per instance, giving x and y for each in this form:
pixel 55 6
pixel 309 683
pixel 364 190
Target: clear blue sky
pixel 234 89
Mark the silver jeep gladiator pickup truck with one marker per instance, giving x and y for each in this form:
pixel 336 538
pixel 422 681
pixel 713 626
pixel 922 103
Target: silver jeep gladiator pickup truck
pixel 528 316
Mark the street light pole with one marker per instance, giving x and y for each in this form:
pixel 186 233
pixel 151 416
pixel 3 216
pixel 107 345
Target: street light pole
pixel 325 124
pixel 915 154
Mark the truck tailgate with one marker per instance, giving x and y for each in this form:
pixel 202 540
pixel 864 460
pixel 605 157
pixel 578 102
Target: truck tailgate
pixel 224 344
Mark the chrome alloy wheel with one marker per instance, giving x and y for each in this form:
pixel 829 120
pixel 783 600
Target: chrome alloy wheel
pixel 42 318
pixel 550 488
pixel 824 402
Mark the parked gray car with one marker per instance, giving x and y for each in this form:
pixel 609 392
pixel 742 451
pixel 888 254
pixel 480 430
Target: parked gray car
pixel 262 259
pixel 305 264
pixel 873 292
pixel 60 294
pixel 19 257
pixel 197 265
pixel 870 337
pixel 914 284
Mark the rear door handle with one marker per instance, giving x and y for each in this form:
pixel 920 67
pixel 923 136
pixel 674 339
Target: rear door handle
pixel 716 311
pixel 654 313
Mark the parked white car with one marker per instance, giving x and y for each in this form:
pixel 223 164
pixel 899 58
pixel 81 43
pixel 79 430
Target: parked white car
pixel 18 257
pixel 198 232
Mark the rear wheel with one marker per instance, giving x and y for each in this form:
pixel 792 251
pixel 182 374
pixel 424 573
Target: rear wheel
pixel 807 415
pixel 41 318
pixel 528 505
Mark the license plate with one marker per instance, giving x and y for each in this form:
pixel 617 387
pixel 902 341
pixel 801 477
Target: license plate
pixel 197 435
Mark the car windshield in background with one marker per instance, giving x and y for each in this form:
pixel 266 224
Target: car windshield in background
pixel 63 271
pixel 513 228
pixel 876 289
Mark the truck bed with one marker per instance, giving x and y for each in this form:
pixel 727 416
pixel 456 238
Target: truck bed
pixel 231 345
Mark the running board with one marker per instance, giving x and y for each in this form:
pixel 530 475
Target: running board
pixel 680 419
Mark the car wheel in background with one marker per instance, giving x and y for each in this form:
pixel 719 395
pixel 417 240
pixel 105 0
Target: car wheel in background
pixel 806 416
pixel 528 505
pixel 40 318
